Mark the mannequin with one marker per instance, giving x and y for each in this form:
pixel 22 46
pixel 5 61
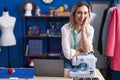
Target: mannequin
pixel 28 9
pixel 7 23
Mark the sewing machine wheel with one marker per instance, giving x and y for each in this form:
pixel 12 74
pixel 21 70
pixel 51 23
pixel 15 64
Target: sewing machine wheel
pixel 83 66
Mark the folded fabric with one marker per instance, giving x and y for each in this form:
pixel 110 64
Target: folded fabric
pixel 19 73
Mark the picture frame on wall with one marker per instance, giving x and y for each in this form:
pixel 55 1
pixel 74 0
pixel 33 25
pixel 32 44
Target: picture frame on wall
pixel 99 6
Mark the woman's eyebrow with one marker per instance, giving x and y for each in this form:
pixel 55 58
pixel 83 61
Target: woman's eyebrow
pixel 82 11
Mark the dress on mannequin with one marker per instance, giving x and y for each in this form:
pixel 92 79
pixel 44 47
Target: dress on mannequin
pixel 28 9
pixel 7 23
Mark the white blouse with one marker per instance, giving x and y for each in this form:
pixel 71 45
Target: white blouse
pixel 68 41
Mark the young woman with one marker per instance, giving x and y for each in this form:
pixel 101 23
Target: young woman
pixel 77 35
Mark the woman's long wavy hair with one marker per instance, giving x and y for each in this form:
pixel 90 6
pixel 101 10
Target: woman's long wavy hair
pixel 73 11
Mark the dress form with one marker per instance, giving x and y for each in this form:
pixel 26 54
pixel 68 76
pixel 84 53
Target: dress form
pixel 7 24
pixel 28 9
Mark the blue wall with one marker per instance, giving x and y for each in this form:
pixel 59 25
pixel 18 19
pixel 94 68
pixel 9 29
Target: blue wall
pixel 13 6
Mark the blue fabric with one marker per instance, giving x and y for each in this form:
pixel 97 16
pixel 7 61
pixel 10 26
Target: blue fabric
pixel 115 2
pixel 19 72
pixel 67 63
pixel 115 74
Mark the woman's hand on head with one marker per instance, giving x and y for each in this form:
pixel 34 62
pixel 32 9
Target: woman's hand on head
pixel 86 22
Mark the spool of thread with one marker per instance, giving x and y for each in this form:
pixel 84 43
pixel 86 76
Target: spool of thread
pixel 11 70
pixel 61 9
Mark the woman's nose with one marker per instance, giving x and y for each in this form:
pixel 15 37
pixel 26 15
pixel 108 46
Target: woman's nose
pixel 82 16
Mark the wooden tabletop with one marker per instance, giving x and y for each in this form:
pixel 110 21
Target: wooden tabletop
pixel 66 76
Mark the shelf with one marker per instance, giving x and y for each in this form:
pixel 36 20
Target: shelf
pixel 43 36
pixel 54 55
pixel 45 16
pixel 36 36
pixel 49 55
pixel 47 38
pixel 54 36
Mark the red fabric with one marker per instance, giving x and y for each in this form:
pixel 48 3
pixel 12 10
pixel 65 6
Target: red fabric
pixel 113 40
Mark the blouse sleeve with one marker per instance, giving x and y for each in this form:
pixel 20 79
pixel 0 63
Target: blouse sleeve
pixel 67 51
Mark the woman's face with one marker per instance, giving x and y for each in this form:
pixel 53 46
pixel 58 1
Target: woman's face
pixel 81 14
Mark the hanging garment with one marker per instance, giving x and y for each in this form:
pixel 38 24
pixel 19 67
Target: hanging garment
pixel 105 30
pixel 101 31
pixel 113 40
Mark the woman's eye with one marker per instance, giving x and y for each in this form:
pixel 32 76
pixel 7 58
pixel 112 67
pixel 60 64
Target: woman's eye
pixel 85 13
pixel 79 12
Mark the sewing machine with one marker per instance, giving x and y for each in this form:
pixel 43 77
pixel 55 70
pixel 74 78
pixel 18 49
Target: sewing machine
pixel 84 66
